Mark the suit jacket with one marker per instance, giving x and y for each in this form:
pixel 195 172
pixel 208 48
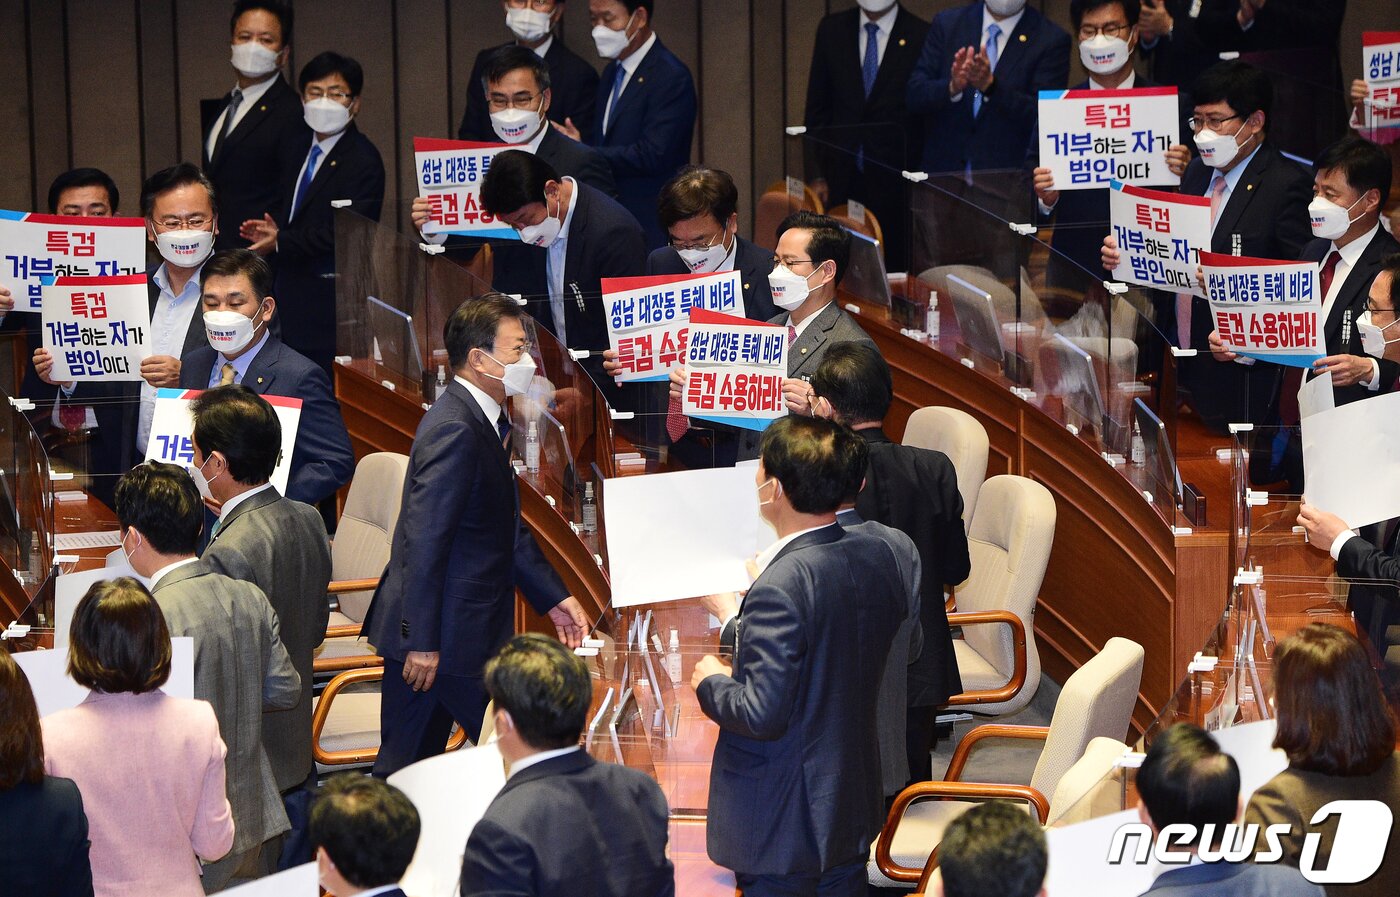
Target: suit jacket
pixel 573 88
pixel 915 491
pixel 322 460
pixel 151 771
pixel 241 668
pixel 44 839
pixel 280 546
pixel 1294 796
pixel 753 262
pixel 649 134
pixel 1035 58
pixel 1342 335
pixel 248 165
pixel 577 160
pixel 786 797
pixel 305 260
pixel 460 548
pixel 546 831
pixel 1233 880
pixel 1364 560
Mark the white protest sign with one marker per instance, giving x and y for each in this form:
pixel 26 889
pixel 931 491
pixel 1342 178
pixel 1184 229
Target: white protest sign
pixel 36 247
pixel 69 589
pixel 1378 118
pixel 734 370
pixel 1349 460
pixel 97 328
pixel 1090 138
pixel 449 176
pixel 1264 308
pixel 172 424
pixel 1160 237
pixel 47 672
pixel 649 317
pixel 298 881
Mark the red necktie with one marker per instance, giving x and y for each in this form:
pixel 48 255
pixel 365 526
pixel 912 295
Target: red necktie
pixel 1293 380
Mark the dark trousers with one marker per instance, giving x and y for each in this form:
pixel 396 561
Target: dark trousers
pixel 920 738
pixel 414 725
pixel 845 880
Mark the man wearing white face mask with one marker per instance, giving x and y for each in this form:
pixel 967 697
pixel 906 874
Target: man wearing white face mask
pixel 238 305
pixel 340 164
pixel 254 132
pixel 536 26
pixel 446 602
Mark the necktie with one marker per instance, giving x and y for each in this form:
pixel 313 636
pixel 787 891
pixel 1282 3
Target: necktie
pixel 1288 411
pixel 871 64
pixel 227 374
pixel 618 78
pixel 792 334
pixel 1329 270
pixel 306 177
pixel 503 427
pixel 1183 300
pixel 235 100
pixel 993 32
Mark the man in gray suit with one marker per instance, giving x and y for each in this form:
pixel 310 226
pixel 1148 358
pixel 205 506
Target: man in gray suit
pixel 240 664
pixel 280 546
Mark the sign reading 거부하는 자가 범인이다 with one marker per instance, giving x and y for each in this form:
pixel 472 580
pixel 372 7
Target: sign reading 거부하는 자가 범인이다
pixel 172 426
pixel 1090 138
pixel 734 370
pixel 1160 237
pixel 97 328
pixel 449 176
pixel 35 248
pixel 649 317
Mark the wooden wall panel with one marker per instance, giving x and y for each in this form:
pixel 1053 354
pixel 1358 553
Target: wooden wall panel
pixel 17 175
pixel 104 110
pixel 158 95
pixel 201 45
pixel 49 94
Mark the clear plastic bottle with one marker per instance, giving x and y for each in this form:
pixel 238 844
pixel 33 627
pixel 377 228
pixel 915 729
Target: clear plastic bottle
pixel 1139 448
pixel 931 323
pixel 673 658
pixel 590 509
pixel 532 448
pixel 441 382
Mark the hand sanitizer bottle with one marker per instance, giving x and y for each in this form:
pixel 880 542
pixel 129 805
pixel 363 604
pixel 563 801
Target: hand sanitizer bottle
pixel 532 448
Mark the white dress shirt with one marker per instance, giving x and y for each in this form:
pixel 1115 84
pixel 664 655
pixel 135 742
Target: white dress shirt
pixel 251 95
pixel 1007 25
pixel 169 324
pixel 374 892
pixel 1351 254
pixel 489 406
pixel 766 556
pixel 156 576
pixel 805 321
pixel 326 146
pixel 554 265
pixel 884 24
pixel 544 47
pixel 527 762
pixel 629 68
pixel 238 499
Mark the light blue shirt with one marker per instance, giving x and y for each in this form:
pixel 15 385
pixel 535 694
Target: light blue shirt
pixel 169 323
pixel 1232 177
pixel 554 266
pixel 240 364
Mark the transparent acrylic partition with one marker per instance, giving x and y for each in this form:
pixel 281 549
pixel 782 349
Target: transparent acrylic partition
pixel 26 530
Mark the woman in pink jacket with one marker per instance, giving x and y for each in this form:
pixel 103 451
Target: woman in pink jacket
pixel 150 767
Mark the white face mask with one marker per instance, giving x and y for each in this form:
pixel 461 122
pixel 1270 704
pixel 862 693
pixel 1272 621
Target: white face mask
pixel 759 490
pixel 325 116
pixel 1373 341
pixel 202 484
pixel 789 290
pixel 1102 54
pixel 127 552
pixel 1329 220
pixel 527 24
pixel 1218 150
pixel 543 234
pixel 518 375
pixel 1004 8
pixel 611 43
pixel 253 60
pixel 517 125
pixel 185 248
pixel 708 260
pixel 874 6
pixel 229 332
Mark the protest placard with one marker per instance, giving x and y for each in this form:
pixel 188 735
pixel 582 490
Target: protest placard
pixel 1378 117
pixel 97 328
pixel 1090 138
pixel 34 248
pixel 1264 308
pixel 734 370
pixel 449 175
pixel 172 425
pixel 649 317
pixel 1160 237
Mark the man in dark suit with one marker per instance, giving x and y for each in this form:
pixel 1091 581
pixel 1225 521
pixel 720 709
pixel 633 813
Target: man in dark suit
pixel 365 832
pixel 558 803
pixel 978 80
pixel 915 491
pixel 237 283
pixel 446 602
pixel 807 659
pixel 645 114
pixel 240 664
pixel 280 546
pixel 256 132
pixel 341 164
pixel 861 63
pixel 572 81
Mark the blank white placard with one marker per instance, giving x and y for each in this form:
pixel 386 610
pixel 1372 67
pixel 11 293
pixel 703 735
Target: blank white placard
pixel 1349 460
pixel 54 691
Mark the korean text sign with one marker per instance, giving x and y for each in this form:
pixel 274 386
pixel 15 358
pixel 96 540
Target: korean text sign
pixel 97 328
pixel 734 370
pixel 172 425
pixel 1160 237
pixel 449 175
pixel 1266 309
pixel 1378 119
pixel 649 317
pixel 36 247
pixel 1089 138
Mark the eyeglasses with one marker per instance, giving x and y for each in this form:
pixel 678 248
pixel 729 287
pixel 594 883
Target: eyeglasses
pixel 497 102
pixel 1196 122
pixel 189 222
pixel 537 5
pixel 697 244
pixel 788 263
pixel 1379 311
pixel 1089 32
pixel 520 351
pixel 335 93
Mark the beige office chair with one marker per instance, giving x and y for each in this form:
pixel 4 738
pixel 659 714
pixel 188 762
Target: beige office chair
pixel 1086 790
pixel 1003 299
pixel 962 438
pixel 868 225
pixel 358 556
pixel 1009 542
pixel 1097 701
pixel 349 739
pixel 774 204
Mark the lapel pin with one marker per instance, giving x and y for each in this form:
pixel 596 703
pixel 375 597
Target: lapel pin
pixel 1023 38
pixel 260 379
pixel 332 163
pixel 804 350
pixel 640 79
pixel 262 108
pixel 1248 186
pixel 901 42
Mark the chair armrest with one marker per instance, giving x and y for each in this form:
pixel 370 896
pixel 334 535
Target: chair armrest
pixel 991 730
pixel 351 630
pixel 944 790
pixel 352 585
pixel 323 709
pixel 1017 681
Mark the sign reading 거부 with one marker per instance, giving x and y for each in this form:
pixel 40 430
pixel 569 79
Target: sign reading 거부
pixel 1160 237
pixel 734 370
pixel 449 175
pixel 97 328
pixel 1090 138
pixel 35 248
pixel 1264 308
pixel 649 317
pixel 172 426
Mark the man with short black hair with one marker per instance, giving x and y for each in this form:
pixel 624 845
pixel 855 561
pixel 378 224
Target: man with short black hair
pixel 558 803
pixel 365 832
pixel 240 664
pixel 85 192
pixel 994 848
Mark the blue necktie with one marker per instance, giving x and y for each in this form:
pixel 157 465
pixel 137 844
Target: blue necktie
pixel 503 427
pixel 616 92
pixel 993 32
pixel 306 177
pixel 871 65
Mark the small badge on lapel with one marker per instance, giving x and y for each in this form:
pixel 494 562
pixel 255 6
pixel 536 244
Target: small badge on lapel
pixel 804 350
pixel 262 108
pixel 901 41
pixel 260 379
pixel 1023 38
